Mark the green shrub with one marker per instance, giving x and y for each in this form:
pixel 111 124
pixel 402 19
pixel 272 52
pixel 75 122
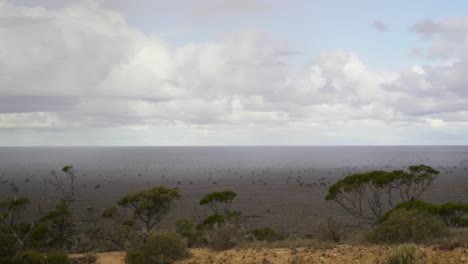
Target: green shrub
pixel 453 214
pixel 184 225
pixel 8 246
pixel 224 237
pixel 211 221
pixel 408 226
pixel 266 234
pixel 159 248
pixel 57 258
pixel 136 256
pixel 186 228
pixel 403 254
pixel 29 257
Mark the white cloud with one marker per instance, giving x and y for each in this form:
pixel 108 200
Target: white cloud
pixel 85 68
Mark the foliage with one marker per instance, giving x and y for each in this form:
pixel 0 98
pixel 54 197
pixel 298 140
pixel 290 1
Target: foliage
pixel 57 258
pixel 12 215
pixel 186 228
pixel 225 237
pixel 267 234
pixel 184 225
pixel 150 206
pixel 29 257
pixel 109 212
pixel 64 184
pixel 8 246
pixel 219 202
pixel 60 224
pixel 114 235
pixel 403 226
pixel 403 254
pixel 165 247
pixel 412 184
pixel 211 221
pixel 363 194
pixel 453 214
pixel 331 230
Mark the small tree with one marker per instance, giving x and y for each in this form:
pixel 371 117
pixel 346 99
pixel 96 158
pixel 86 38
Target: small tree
pixel 413 183
pixel 150 206
pixel 12 217
pixel 363 195
pixel 220 204
pixel 61 220
pixel 51 226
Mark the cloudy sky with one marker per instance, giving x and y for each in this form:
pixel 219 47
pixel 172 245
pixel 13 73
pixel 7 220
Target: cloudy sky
pixel 233 72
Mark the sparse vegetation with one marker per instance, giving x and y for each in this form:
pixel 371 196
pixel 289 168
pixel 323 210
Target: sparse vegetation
pixel 225 237
pixel 131 224
pixel 331 230
pixel 403 254
pixel 452 214
pixel 267 234
pixel 160 248
pixel 363 195
pixel 403 226
pixel 148 207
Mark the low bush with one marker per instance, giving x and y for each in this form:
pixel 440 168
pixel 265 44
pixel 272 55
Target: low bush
pixel 403 254
pixel 159 248
pixel 28 257
pixel 225 237
pixel 57 258
pixel 186 228
pixel 331 230
pixel 403 226
pixel 8 246
pixel 452 214
pixel 267 234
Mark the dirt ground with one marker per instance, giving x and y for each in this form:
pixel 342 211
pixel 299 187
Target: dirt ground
pixel 340 254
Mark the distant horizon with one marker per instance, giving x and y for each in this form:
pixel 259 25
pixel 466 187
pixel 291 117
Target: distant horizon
pixel 175 146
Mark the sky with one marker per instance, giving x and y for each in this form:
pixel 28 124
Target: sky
pixel 233 72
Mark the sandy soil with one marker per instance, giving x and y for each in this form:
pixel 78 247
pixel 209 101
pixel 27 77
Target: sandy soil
pixel 339 254
pixel 115 257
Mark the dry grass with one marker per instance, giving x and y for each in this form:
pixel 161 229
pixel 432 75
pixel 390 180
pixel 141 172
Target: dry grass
pixel 338 254
pixel 288 243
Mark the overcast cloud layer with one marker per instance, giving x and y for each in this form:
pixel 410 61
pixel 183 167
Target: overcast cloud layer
pixel 81 74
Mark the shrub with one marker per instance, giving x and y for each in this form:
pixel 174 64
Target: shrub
pixel 267 234
pixel 331 230
pixel 184 225
pixel 224 237
pixel 148 206
pixel 159 248
pixel 90 257
pixel 453 214
pixel 8 246
pixel 29 257
pixel 57 258
pixel 186 228
pixel 408 226
pixel 211 221
pixel 403 254
pixel 136 256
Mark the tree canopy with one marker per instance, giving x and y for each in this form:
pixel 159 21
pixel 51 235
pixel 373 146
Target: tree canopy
pixel 364 195
pixel 150 206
